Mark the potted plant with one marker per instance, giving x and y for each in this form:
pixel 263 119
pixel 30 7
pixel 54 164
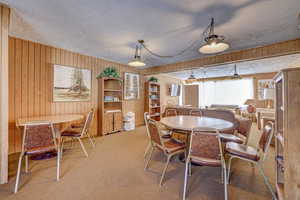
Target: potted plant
pixel 109 72
pixel 153 79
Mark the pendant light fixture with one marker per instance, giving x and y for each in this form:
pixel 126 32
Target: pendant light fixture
pixel 235 75
pixel 137 59
pixel 192 76
pixel 214 43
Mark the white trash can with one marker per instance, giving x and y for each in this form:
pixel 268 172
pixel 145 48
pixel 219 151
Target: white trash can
pixel 129 121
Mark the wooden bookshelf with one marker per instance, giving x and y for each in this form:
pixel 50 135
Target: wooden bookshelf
pixel 110 105
pixel 152 100
pixel 287 133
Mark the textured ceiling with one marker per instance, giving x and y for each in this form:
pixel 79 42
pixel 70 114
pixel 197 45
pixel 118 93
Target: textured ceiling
pixel 109 28
pixel 248 67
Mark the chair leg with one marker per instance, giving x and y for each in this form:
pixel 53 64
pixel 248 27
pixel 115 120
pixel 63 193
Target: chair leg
pixel 229 168
pixel 26 163
pixel 225 183
pixel 190 168
pixel 18 173
pixel 185 178
pixel 91 140
pixel 164 171
pixel 150 156
pixel 82 147
pixel 62 147
pixel 266 181
pixel 58 164
pixel 147 149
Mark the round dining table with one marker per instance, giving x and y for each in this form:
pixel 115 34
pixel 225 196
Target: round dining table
pixel 188 123
pixel 61 122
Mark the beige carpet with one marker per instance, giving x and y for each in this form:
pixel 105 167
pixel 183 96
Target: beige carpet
pixel 114 171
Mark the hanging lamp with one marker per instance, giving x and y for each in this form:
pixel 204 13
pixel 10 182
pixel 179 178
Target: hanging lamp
pixel 137 59
pixel 214 43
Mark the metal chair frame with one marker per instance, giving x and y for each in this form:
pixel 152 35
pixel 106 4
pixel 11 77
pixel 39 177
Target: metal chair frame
pixel 170 110
pixel 163 148
pixel 146 118
pixel 258 163
pixel 196 111
pixel 23 151
pixel 84 131
pixel 188 169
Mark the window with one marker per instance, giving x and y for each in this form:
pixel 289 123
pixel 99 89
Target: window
pixel 233 92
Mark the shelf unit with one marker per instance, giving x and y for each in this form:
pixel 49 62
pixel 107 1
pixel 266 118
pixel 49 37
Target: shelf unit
pixel 152 100
pixel 287 133
pixel 110 105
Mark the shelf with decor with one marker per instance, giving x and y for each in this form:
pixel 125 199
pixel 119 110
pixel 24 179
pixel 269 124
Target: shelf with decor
pixel 152 100
pixel 110 105
pixel 287 140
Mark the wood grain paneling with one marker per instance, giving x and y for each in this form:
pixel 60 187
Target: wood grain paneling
pixel 273 50
pixel 31 80
pixel 4 88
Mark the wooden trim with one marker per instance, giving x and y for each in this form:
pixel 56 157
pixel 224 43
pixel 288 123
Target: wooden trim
pixel 4 26
pixel 273 50
pixel 254 76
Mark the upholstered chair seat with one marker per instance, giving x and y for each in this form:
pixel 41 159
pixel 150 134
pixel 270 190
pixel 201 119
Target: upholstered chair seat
pixel 242 150
pixel 38 150
pixel 72 132
pixel 230 138
pixel 172 146
pixel 206 161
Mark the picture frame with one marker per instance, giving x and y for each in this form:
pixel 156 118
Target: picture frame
pixel 71 84
pixel 131 86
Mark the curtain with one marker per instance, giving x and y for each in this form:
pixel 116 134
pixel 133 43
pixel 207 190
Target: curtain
pixel 233 92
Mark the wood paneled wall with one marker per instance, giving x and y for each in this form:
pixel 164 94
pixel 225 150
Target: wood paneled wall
pixel 31 80
pixel 4 27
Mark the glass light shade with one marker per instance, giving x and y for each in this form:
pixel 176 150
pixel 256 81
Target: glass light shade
pixel 213 47
pixel 136 62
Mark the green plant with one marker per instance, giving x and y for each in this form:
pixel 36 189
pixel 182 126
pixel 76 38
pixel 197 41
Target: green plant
pixel 109 72
pixel 153 79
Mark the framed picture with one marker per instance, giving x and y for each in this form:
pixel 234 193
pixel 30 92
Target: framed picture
pixel 71 84
pixel 262 84
pixel 131 86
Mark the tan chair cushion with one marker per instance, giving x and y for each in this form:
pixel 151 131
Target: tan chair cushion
pixel 38 150
pixel 172 146
pixel 72 132
pixel 231 138
pixel 206 161
pixel 242 150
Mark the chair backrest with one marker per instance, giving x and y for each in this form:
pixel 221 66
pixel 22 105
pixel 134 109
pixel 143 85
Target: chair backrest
pixel 206 144
pixel 169 112
pixel 244 128
pixel 195 113
pixel 154 132
pixel 266 137
pixel 38 135
pixel 87 123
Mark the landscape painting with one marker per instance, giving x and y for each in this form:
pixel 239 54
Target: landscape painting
pixel 71 84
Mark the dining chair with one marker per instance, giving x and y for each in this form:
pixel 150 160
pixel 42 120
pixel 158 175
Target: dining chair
pixel 78 133
pixel 38 137
pixel 256 156
pixel 194 112
pixel 169 112
pixel 205 149
pixel 169 147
